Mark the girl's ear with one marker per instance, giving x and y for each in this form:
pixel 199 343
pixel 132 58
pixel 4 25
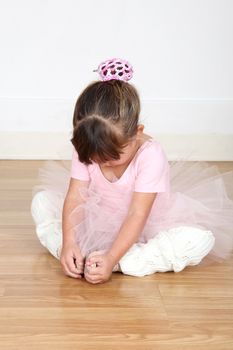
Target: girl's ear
pixel 140 129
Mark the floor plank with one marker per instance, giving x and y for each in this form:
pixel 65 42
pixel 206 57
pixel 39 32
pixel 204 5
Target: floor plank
pixel 41 308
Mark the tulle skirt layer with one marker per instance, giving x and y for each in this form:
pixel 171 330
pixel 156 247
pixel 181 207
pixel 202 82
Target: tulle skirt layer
pixel 200 196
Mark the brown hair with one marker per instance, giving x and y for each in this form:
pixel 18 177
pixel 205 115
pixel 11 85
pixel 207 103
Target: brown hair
pixel 105 118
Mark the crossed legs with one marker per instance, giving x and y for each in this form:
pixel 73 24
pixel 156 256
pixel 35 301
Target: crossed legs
pixel 169 250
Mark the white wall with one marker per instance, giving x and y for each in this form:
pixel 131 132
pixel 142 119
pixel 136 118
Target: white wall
pixel 182 54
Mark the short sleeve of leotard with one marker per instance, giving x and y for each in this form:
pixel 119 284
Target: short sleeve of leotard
pixel 152 172
pixel 78 170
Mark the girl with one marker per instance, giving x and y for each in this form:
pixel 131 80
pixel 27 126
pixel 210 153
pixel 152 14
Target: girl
pixel 121 207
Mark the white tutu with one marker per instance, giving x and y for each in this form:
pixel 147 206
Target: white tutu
pixel 200 196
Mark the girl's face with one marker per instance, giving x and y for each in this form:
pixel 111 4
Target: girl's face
pixel 127 154
pixel 128 151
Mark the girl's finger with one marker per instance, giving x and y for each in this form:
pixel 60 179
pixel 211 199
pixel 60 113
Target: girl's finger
pixel 97 259
pixel 71 266
pixel 71 274
pixel 93 280
pixel 96 282
pixel 92 271
pixel 92 275
pixel 79 265
pixel 78 258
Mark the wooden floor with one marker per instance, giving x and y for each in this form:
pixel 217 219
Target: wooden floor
pixel 40 308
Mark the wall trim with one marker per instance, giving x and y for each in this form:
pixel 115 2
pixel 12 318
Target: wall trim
pixel 160 116
pixel 48 145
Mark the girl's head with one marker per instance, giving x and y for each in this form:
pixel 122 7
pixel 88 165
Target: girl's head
pixel 105 120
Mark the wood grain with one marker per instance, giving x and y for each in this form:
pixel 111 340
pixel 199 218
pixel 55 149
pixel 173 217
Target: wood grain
pixel 40 308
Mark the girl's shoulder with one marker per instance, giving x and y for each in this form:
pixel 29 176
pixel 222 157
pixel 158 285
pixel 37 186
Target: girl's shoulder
pixel 150 147
pixel 151 168
pixel 151 157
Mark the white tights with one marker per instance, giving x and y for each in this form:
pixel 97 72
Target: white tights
pixel 169 250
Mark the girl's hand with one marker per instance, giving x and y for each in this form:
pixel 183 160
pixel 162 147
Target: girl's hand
pixel 98 267
pixel 72 260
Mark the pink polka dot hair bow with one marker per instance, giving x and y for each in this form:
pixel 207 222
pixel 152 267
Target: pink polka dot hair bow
pixel 115 68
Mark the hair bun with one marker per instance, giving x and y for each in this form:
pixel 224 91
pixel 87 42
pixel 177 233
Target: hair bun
pixel 115 68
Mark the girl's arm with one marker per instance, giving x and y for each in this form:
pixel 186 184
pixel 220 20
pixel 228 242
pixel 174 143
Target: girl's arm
pixel 71 259
pixel 72 200
pixel 133 225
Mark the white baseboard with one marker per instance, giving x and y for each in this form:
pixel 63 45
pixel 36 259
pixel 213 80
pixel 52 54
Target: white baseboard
pixel 42 145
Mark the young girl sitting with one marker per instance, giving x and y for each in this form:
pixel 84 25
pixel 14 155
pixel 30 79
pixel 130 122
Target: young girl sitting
pixel 121 207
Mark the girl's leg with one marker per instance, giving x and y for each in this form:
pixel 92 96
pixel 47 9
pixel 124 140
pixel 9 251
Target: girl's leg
pixel 46 212
pixel 170 250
